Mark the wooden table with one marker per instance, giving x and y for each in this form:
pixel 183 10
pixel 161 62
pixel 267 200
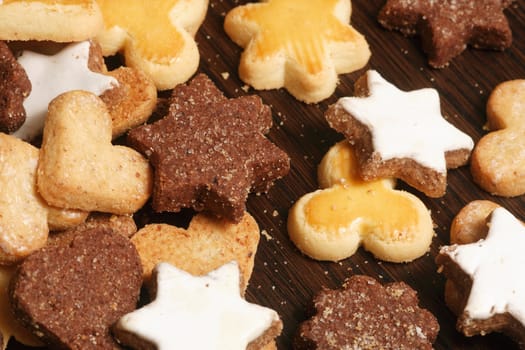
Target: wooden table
pixel 286 280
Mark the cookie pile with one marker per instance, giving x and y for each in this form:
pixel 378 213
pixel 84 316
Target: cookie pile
pixel 103 112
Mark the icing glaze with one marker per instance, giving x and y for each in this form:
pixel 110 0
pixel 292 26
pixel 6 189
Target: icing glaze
pixel 497 260
pixel 199 312
pixel 406 124
pixel 52 75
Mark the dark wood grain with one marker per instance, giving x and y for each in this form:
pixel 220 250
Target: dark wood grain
pixel 283 278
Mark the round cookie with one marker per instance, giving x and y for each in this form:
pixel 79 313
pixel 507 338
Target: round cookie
pixel 70 294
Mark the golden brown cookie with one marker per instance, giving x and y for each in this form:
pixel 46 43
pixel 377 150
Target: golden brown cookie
pixel 299 45
pixel 498 160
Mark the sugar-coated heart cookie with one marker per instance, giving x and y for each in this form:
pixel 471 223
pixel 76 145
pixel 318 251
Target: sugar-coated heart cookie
pixel 70 294
pixel 198 312
pixel 204 246
pixel 498 160
pixel 57 20
pixel 79 168
pixel 299 45
pixel 331 224
pixel 493 258
pixel 157 39
pixel 380 115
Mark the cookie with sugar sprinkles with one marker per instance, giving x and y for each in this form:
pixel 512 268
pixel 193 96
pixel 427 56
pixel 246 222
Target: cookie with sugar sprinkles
pixel 364 314
pixel 14 89
pixel 447 27
pixel 209 152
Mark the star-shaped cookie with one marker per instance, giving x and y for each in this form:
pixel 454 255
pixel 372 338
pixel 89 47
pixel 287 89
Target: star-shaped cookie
pixel 400 134
pixel 198 312
pixel 209 152
pixel 296 44
pixel 495 297
pixel 446 27
pixel 51 75
pixel 14 89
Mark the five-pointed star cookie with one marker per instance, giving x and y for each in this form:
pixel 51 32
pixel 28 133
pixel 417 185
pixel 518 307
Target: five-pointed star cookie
pixel 209 152
pixel 400 134
pixel 296 44
pixel 446 27
pixel 14 89
pixel 198 312
pixel 496 296
pixel 52 75
pixel 158 39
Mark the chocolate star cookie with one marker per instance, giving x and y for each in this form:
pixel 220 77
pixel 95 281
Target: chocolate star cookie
pixel 209 151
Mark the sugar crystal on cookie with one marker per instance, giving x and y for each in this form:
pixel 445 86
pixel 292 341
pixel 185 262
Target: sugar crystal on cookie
pixel 209 152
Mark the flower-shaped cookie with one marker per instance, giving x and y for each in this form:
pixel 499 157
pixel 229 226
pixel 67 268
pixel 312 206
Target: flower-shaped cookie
pixel 400 134
pixel 488 295
pixel 198 312
pixel 296 44
pixel 498 160
pixel 331 224
pixel 156 38
pixel 446 27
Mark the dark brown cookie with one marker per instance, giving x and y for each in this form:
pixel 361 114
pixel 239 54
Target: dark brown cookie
pixel 209 152
pixel 367 315
pixel 15 87
pixel 446 27
pixel 70 294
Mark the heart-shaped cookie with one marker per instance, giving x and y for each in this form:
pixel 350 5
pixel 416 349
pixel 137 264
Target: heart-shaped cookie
pixel 80 168
pixel 205 245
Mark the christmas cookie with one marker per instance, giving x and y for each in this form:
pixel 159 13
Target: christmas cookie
pixel 331 223
pixel 488 255
pixel 155 38
pixel 205 245
pixel 400 134
pixel 498 160
pixel 364 314
pixel 198 312
pixel 299 45
pixel 447 27
pixel 210 151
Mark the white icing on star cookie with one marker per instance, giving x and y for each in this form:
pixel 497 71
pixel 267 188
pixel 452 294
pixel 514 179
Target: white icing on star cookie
pixel 198 312
pixel 495 265
pixel 406 124
pixel 52 75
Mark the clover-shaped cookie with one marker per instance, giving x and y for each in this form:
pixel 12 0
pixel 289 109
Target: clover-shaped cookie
pixel 447 27
pixel 205 245
pixel 44 20
pixel 486 250
pixel 296 44
pixel 198 312
pixel 498 160
pixel 80 168
pixel 157 39
pixel 70 294
pixel 14 89
pixel 210 151
pixel 331 223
